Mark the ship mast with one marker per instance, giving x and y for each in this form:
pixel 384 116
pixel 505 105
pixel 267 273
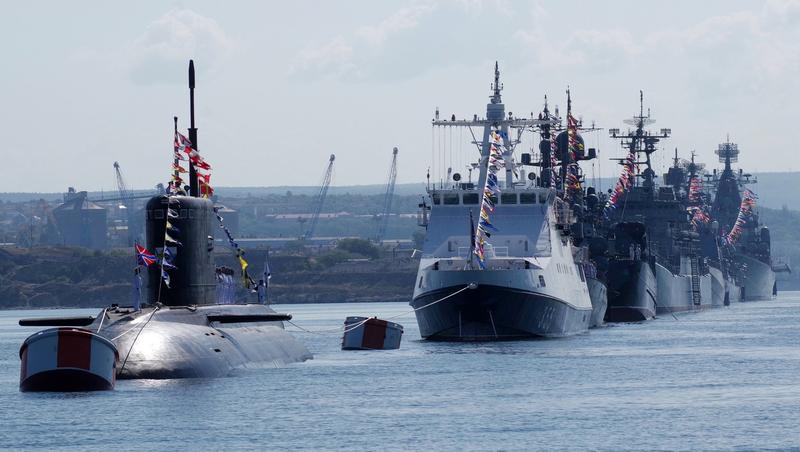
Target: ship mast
pixel 495 119
pixel 641 141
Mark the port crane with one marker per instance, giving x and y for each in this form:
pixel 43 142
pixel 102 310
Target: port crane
pixel 319 200
pixel 383 220
pixel 126 199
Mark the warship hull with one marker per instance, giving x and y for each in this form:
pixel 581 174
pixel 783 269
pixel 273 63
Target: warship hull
pixel 720 295
pixel 632 292
pixel 675 292
pixel 599 296
pixel 758 279
pixel 491 312
pixel 734 291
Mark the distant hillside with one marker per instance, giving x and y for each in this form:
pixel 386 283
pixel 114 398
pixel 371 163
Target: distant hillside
pixel 235 192
pixel 772 189
pixel 47 277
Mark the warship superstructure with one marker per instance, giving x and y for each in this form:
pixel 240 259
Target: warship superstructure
pixel 528 283
pixel 750 249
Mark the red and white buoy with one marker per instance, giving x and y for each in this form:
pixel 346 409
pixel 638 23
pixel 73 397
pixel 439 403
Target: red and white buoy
pixel 67 359
pixel 362 333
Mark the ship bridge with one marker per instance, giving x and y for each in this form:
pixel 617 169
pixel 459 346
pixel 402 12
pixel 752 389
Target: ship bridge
pixel 521 217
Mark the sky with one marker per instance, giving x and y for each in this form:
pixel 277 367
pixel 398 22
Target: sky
pixel 282 85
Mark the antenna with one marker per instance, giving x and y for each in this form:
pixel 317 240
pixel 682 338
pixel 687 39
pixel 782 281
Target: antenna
pixel 193 186
pixel 497 86
pixel 569 102
pixel 641 104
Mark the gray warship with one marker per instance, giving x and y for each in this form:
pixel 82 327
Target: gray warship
pixel 750 253
pixel 179 332
pixel 672 248
pixel 687 178
pixel 528 283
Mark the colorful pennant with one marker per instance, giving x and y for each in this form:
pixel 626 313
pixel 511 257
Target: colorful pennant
pixel 624 182
pixel 491 189
pixel 745 211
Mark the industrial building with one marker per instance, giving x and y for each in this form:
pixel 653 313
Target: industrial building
pixel 81 222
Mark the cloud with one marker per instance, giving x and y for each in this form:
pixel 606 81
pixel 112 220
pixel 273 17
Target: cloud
pixel 354 57
pixel 403 19
pixel 174 38
pixel 330 59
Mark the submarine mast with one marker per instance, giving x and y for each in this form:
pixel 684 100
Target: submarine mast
pixel 193 185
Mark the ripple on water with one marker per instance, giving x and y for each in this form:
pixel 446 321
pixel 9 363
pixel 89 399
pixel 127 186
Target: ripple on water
pixel 720 379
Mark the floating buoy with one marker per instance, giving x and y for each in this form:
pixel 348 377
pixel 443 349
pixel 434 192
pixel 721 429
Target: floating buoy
pixel 362 333
pixel 67 359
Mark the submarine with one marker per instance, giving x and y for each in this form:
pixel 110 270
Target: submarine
pixel 179 331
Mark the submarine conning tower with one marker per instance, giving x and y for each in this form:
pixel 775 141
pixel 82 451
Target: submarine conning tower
pixel 192 280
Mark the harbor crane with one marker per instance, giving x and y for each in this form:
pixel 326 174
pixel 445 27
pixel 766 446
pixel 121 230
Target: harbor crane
pixel 383 221
pixel 319 200
pixel 126 199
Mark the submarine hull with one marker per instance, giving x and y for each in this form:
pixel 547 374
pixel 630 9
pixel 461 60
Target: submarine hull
pixel 201 342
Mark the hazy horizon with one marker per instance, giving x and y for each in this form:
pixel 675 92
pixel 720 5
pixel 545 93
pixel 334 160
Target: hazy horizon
pixel 279 89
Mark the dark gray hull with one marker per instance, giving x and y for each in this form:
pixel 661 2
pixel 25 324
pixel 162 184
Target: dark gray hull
pixel 496 313
pixel 631 292
pixel 599 295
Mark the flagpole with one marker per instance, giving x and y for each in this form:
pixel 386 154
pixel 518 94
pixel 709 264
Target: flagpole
pixel 472 237
pixel 176 162
pixel 566 160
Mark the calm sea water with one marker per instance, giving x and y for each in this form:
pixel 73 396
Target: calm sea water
pixel 722 379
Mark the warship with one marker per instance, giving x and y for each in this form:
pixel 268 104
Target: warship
pixel 513 276
pixel 748 250
pixel 682 278
pixel 560 153
pixel 180 331
pixel 628 264
pixel 687 178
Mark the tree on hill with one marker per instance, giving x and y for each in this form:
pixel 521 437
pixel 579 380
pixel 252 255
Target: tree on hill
pixel 359 246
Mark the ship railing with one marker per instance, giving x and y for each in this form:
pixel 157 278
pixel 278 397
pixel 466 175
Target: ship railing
pixel 463 252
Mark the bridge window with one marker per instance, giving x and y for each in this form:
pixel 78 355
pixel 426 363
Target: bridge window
pixel 542 198
pixel 470 198
pixel 450 199
pixel 436 198
pixel 508 198
pixel 541 281
pixel 527 198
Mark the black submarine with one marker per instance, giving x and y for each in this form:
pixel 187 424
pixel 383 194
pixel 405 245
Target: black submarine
pixel 180 331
